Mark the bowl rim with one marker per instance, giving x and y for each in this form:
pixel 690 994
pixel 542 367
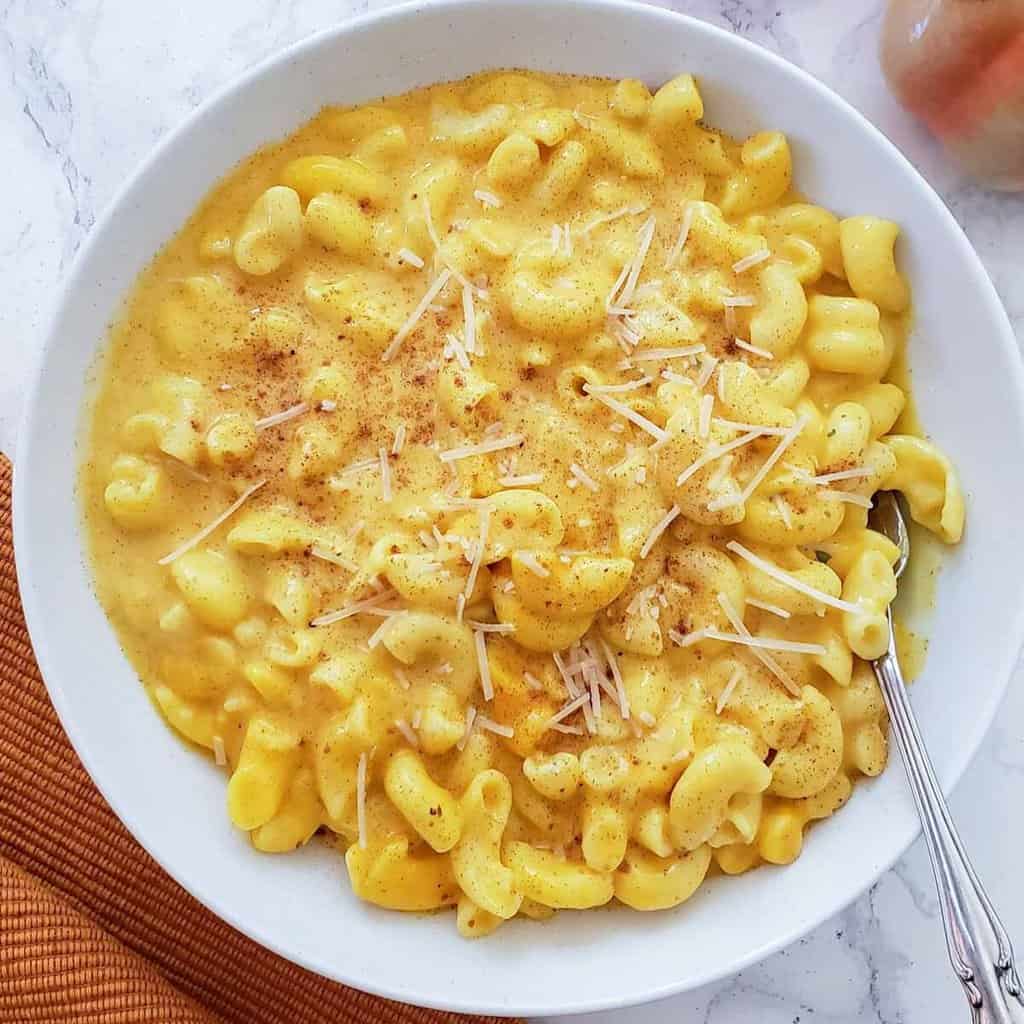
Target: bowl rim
pixel 38 626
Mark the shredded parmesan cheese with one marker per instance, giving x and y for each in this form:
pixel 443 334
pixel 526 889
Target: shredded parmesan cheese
pixel 522 480
pixel 584 477
pixel 684 233
pixel 751 261
pixel 723 697
pixel 620 687
pixel 402 679
pixel 385 474
pixel 454 347
pixel 645 236
pixel 763 353
pixel 487 198
pixel 766 659
pixel 774 609
pixel 765 431
pixel 205 532
pixel 574 705
pixel 571 686
pixel 406 730
pixel 327 405
pixel 707 403
pixel 484 448
pixel 848 497
pixel 647 719
pixel 381 631
pixel 844 474
pixel 399 442
pixel 468 731
pixel 765 643
pixel 361 800
pixel 532 682
pixel 421 307
pixel 630 414
pixel 469 318
pixel 529 561
pixel 708 364
pixel 489 725
pixel 484 517
pixel 667 353
pixel 607 218
pixel 219 754
pixel 284 416
pixel 733 301
pixel 785 578
pixel 658 529
pixel 755 481
pixel 326 555
pixel 630 385
pixel 480 642
pixel 687 639
pixel 713 453
pixel 408 256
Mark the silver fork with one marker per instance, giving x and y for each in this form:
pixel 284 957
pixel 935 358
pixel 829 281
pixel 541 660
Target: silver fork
pixel 979 947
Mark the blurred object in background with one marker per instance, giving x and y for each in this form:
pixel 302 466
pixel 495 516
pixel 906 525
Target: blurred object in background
pixel 959 66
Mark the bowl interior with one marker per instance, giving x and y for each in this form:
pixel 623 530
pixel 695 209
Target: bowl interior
pixel 968 383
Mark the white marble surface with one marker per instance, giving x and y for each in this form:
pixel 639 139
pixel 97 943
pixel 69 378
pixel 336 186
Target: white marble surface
pixel 86 89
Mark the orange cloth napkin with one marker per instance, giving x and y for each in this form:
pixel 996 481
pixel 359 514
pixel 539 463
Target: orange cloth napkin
pixel 91 929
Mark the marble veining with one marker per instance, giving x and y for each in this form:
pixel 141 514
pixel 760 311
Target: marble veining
pixel 86 89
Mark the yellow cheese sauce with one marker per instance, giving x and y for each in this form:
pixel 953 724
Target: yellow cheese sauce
pixel 481 476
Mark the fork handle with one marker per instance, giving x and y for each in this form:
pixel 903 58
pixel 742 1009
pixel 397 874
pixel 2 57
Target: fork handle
pixel 979 947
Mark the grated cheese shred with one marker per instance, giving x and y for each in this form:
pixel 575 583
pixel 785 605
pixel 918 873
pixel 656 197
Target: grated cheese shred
pixel 780 576
pixel 355 609
pixel 580 474
pixel 496 444
pixel 487 198
pixel 385 474
pixel 751 261
pixel 293 411
pixel 667 353
pixel 408 256
pixel 198 538
pixel 755 481
pixel 469 319
pixel 766 659
pixel 773 609
pixel 327 555
pixel 407 731
pixel 684 233
pixel 707 403
pixel 468 730
pixel 630 414
pixel 620 686
pixel 480 642
pixel 414 317
pixel 361 800
pixel 658 529
pixel 727 690
pixel 763 353
pixel 529 561
pixel 399 442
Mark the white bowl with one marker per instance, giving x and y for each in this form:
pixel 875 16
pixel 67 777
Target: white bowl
pixel 968 382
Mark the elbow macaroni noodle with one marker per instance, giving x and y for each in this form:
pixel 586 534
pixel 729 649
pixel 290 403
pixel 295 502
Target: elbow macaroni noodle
pixel 482 477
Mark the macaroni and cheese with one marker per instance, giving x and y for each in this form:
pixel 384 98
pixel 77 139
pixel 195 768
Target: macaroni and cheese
pixel 481 477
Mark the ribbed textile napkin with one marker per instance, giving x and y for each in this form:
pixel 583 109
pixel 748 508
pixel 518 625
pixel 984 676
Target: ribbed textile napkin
pixel 91 929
